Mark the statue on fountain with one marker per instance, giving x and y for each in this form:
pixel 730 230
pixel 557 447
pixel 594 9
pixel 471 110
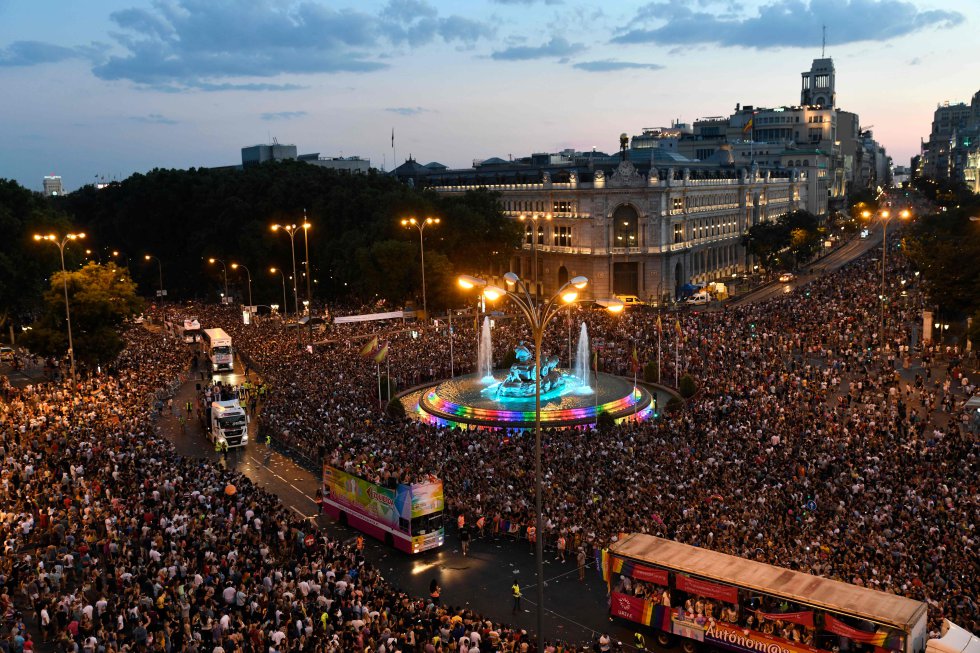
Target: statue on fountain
pixel 520 379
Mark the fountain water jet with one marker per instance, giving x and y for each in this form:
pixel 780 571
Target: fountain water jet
pixel 582 372
pixel 484 354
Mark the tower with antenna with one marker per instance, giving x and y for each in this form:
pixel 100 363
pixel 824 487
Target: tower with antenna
pixel 818 84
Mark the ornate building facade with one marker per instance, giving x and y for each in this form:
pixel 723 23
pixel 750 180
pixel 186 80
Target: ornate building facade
pixel 644 230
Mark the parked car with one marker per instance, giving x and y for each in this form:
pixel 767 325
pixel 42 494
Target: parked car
pixel 698 299
pixel 786 277
pixel 630 300
pixel 6 355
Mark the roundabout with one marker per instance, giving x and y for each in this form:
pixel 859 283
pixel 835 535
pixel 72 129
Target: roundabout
pixel 477 401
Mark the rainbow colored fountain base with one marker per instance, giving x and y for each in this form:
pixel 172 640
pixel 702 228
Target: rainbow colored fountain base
pixel 471 401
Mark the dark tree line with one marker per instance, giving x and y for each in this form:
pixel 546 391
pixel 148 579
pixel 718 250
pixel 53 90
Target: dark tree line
pixel 359 251
pixel 790 241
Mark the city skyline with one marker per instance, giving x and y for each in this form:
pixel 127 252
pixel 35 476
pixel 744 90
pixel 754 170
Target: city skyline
pixel 186 83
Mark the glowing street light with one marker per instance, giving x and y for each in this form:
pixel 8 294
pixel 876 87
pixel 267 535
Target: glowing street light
pixel 421 225
pixel 150 257
pixel 537 317
pixel 64 280
pixel 224 272
pixel 285 306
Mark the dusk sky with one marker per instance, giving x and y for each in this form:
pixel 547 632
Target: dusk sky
pixel 113 87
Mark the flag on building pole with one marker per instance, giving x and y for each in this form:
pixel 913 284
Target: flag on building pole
pixel 748 126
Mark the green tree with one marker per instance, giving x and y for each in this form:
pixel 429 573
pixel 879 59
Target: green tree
pixel 651 372
pixel 100 297
pixel 24 264
pixel 765 241
pixel 945 247
pixel 687 386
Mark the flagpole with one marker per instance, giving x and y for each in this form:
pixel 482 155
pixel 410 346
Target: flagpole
pixel 677 359
pixel 596 389
pixel 380 405
pixel 660 328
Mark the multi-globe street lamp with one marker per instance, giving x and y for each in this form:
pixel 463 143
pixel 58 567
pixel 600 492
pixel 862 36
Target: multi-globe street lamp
pixel 291 229
pixel 64 282
pixel 421 225
pixel 537 317
pixel 884 216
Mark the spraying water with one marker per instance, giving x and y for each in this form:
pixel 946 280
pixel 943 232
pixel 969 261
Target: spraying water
pixel 582 372
pixel 484 353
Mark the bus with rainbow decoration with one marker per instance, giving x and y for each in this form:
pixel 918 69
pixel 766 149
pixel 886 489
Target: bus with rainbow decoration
pixel 707 598
pixel 407 516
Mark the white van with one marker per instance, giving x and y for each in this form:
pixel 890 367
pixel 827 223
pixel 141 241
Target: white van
pixel 698 298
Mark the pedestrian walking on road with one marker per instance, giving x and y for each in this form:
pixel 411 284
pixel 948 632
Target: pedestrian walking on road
pixel 516 593
pixel 580 560
pixel 464 539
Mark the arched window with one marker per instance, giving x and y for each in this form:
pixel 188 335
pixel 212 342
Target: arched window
pixel 626 227
pixel 562 276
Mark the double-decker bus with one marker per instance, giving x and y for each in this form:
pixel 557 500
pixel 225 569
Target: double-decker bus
pixel 408 516
pixel 217 347
pixel 706 597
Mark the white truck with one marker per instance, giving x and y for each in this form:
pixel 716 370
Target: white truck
pixel 190 329
pixel 229 423
pixel 217 347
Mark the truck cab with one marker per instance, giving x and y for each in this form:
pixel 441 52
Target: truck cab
pixel 229 423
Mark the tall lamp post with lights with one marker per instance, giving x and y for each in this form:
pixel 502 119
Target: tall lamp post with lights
pixel 150 257
pixel 537 317
pixel 285 307
pixel 884 216
pixel 235 266
pixel 421 225
pixel 291 229
pixel 224 271
pixel 64 281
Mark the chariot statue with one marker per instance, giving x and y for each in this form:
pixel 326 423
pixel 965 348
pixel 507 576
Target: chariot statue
pixel 520 378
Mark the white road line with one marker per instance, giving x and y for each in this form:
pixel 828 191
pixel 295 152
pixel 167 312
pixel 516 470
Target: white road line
pixel 261 464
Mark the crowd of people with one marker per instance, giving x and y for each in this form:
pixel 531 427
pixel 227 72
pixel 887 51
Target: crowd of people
pixel 114 543
pixel 804 447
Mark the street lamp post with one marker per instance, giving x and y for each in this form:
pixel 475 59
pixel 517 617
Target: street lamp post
pixel 64 281
pixel 291 230
pixel 285 307
pixel 150 257
pixel 235 266
pixel 537 317
pixel 116 254
pixel 306 248
pixel 884 216
pixel 224 271
pixel 421 225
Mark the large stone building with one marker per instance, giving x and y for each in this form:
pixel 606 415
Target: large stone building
pixel 53 186
pixel 645 222
pixel 953 149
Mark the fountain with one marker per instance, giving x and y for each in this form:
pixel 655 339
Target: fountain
pixel 582 372
pixel 506 398
pixel 484 354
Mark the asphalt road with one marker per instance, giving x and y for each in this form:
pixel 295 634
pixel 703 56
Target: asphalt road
pixel 576 611
pixel 833 261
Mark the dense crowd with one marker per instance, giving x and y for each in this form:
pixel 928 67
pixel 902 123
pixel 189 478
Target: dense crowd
pixel 804 447
pixel 114 543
